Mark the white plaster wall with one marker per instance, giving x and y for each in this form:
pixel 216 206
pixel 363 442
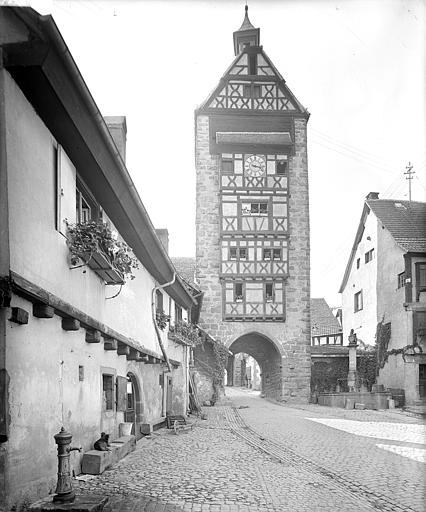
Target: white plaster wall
pixel 39 252
pixel 45 393
pixel 363 322
pixel 390 299
pixel 42 359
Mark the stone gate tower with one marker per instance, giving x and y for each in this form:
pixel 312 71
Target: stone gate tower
pixel 252 259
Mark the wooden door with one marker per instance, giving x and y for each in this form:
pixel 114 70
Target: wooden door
pixel 169 391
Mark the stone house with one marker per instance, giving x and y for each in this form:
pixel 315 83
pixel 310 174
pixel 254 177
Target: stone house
pixel 384 291
pixel 252 218
pixel 79 343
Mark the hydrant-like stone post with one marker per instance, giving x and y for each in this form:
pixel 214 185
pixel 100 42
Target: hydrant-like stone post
pixel 64 491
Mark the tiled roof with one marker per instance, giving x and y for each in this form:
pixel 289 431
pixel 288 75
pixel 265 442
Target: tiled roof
pixel 405 220
pixel 329 350
pixel 185 267
pixel 323 321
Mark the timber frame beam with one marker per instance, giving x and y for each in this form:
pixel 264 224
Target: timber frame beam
pixel 39 296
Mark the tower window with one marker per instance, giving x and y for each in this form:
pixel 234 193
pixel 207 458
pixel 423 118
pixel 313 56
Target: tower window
pixel 237 253
pixel 276 254
pixel 281 167
pixel 227 166
pixel 255 209
pixel 252 91
pixel 269 292
pixel 253 64
pixel 238 292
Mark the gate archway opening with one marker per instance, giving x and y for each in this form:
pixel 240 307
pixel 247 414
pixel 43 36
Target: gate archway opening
pixel 267 355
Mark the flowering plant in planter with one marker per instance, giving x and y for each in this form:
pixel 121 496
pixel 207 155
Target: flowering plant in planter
pixel 89 240
pixel 187 332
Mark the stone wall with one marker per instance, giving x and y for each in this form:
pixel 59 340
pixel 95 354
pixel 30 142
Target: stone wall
pixel 293 335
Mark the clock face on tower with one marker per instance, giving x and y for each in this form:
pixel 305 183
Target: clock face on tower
pixel 255 166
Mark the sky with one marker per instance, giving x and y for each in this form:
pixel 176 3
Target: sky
pixel 357 66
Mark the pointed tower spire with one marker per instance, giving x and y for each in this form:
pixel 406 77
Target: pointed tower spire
pixel 247 35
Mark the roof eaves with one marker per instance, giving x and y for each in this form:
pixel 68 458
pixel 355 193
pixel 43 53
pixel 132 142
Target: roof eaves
pixel 48 27
pixel 365 211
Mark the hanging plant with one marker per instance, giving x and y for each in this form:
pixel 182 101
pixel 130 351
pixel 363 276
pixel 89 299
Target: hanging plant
pixel 162 320
pixel 87 239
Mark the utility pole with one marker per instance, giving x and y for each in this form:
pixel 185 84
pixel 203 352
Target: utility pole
pixel 409 177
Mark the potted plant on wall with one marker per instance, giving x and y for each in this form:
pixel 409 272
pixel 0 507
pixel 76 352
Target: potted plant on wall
pixel 94 244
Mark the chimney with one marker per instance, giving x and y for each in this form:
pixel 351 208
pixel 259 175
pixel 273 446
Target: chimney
pixel 372 195
pixel 118 130
pixel 163 235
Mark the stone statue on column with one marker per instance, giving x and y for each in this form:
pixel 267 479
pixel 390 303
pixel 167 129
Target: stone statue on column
pixel 352 374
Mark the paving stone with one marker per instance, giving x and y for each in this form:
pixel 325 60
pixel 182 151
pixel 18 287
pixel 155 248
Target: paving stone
pixel 300 465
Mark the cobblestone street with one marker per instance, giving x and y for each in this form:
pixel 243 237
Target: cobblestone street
pixel 254 455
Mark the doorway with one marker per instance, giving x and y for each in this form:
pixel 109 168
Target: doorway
pixel 133 413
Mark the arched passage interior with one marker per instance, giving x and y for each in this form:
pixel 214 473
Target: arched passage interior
pixel 267 355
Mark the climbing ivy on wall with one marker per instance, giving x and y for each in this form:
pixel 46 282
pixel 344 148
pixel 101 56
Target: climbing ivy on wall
pixel 366 365
pixel 383 335
pixel 325 376
pixel 221 358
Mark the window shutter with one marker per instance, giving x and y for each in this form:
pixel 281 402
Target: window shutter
pixel 121 393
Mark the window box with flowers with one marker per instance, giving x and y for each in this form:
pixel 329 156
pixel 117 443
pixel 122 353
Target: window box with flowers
pixel 185 333
pixel 95 245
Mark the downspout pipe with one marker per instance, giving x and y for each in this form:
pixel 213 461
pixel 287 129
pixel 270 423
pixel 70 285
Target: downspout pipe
pixel 154 319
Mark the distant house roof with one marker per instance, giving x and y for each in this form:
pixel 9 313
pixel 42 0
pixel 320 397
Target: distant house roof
pixel 323 322
pixel 405 221
pixel 329 350
pixel 185 267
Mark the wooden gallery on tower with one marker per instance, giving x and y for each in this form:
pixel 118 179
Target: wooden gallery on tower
pixel 252 259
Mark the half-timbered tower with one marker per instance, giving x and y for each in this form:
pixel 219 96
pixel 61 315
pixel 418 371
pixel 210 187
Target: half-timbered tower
pixel 253 218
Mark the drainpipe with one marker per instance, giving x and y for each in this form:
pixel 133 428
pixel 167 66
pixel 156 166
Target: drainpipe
pixel 154 320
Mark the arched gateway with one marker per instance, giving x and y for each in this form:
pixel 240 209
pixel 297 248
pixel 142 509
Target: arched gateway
pixel 267 355
pixel 253 218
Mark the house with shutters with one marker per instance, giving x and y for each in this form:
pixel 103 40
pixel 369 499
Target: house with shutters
pixel 384 291
pixel 86 285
